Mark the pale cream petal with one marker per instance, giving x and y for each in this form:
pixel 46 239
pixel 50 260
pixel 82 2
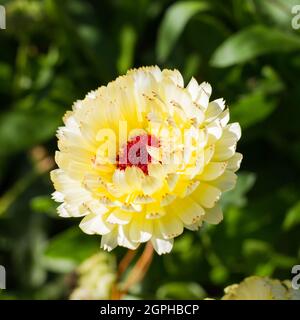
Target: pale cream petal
pixel 75 196
pixel 119 180
pixel 224 152
pixel 58 196
pixel 95 224
pixel 226 181
pixel 195 226
pixel 140 229
pixel 118 216
pixel 96 207
pixel 175 76
pixel 170 226
pixel 124 239
pixel 110 241
pixel 226 146
pixel 191 187
pixel 224 117
pixel 154 152
pixel 151 184
pixel 235 129
pixel 188 210
pixel 134 177
pixel 212 171
pixel 193 88
pixel 214 109
pixel 206 195
pixel 214 131
pixel 213 215
pixel 143 199
pixel 204 94
pixel 167 199
pixel 172 180
pixel 154 211
pixel 70 123
pixel 156 170
pixel 234 163
pixel 67 211
pixel 162 246
pixel 208 153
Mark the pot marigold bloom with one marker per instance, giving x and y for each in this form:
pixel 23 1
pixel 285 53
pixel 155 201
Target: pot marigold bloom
pixel 261 288
pixel 96 278
pixel 145 157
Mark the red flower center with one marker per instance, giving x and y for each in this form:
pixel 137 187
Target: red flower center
pixel 135 153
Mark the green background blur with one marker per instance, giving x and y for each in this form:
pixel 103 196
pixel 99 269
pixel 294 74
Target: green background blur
pixel 53 52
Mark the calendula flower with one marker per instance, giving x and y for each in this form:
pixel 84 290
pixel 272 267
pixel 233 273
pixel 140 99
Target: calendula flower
pixel 145 157
pixel 96 278
pixel 261 288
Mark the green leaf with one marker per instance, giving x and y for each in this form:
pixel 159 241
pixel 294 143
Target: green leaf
pixel 180 290
pixel 219 274
pixel 252 108
pixel 127 44
pixel 20 129
pixel 252 42
pixel 252 247
pixel 277 12
pixel 236 197
pixel 292 217
pixel 173 23
pixel 44 204
pixel 66 250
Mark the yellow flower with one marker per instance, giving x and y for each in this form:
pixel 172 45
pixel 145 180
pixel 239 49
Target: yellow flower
pixel 145 157
pixel 96 277
pixel 261 288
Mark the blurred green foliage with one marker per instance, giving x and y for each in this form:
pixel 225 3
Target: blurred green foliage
pixel 53 52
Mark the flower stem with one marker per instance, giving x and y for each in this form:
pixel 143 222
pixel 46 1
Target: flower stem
pixel 140 269
pixel 125 262
pixel 123 265
pixel 136 274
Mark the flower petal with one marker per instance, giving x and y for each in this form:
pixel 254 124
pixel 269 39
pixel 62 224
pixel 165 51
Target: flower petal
pixel 118 216
pixel 213 215
pixel 162 246
pixel 95 224
pixel 109 241
pixel 170 226
pixel 233 164
pixel 212 171
pixel 206 195
pixel 188 210
pixel 226 181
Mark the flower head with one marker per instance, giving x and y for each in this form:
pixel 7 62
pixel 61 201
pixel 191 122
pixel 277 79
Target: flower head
pixel 261 288
pixel 145 157
pixel 96 278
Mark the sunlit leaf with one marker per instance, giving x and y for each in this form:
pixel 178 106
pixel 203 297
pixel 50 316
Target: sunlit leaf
pixel 252 42
pixel 21 129
pixel 252 108
pixel 173 23
pixel 66 250
pixel 127 44
pixel 44 204
pixel 292 217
